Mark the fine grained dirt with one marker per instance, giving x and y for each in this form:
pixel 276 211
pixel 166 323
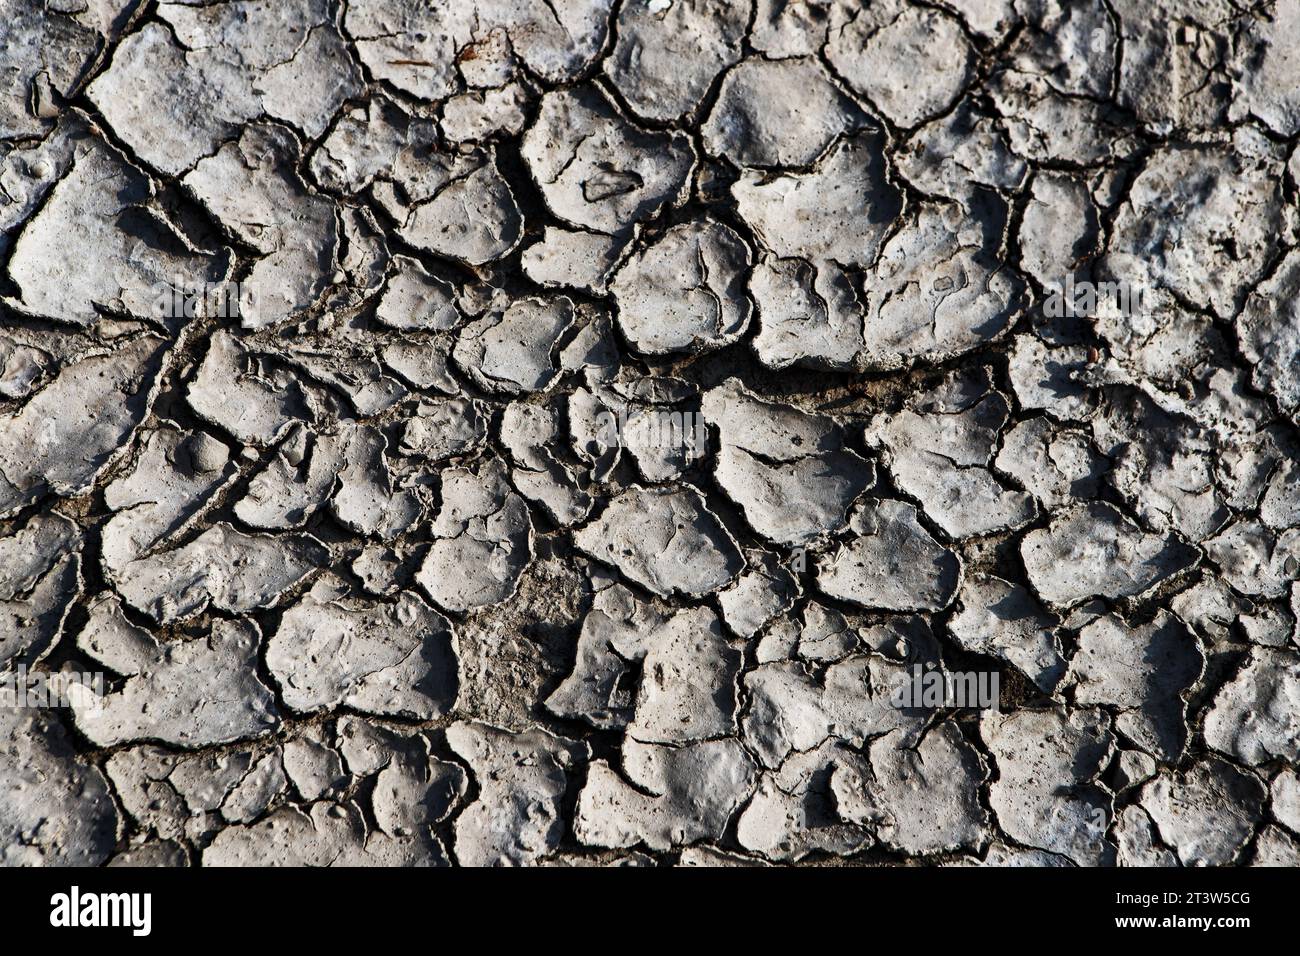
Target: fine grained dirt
pixel 650 432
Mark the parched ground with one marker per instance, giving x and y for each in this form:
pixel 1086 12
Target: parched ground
pixel 395 564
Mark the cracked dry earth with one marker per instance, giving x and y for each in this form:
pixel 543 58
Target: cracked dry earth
pixel 372 583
